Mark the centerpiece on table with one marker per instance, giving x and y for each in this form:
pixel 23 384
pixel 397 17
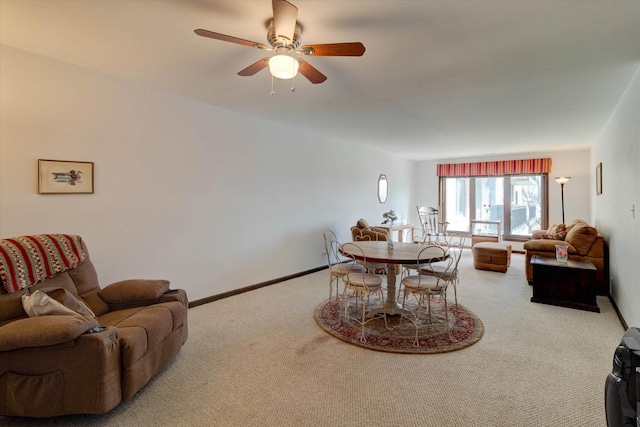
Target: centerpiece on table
pixel 389 218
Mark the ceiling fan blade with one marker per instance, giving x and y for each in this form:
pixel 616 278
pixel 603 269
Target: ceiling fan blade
pixel 255 67
pixel 307 70
pixel 225 38
pixel 284 19
pixel 334 49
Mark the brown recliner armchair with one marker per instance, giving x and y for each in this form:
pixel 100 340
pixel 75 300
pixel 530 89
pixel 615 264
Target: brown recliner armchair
pixel 362 231
pixel 87 363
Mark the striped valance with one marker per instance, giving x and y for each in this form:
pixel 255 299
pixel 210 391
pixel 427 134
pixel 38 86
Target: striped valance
pixel 504 167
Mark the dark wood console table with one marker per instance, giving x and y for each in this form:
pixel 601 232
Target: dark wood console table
pixel 567 284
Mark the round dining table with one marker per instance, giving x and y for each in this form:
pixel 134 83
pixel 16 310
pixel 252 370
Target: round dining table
pixel 402 253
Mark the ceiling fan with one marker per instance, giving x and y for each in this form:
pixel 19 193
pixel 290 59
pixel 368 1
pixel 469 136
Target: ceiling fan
pixel 283 34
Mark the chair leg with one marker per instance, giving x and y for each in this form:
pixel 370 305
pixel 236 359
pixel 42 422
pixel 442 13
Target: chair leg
pixel 362 320
pixel 331 279
pixel 455 291
pixel 446 310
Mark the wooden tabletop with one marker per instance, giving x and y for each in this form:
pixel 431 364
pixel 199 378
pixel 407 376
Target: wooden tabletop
pixel 571 263
pixel 402 253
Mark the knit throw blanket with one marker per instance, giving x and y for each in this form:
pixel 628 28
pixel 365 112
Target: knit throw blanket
pixel 29 260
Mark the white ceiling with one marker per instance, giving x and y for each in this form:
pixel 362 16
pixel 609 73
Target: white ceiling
pixel 439 79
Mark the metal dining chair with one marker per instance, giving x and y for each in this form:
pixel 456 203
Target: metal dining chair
pixel 448 271
pixel 338 268
pixel 425 286
pixel 358 287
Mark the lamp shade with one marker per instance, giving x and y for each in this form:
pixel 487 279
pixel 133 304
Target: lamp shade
pixel 283 66
pixel 562 179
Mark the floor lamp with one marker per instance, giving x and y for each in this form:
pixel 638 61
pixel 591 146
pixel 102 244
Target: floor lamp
pixel 562 180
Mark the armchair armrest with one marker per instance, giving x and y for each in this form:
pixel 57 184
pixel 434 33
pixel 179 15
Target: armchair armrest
pixel 383 230
pixel 133 293
pixel 44 331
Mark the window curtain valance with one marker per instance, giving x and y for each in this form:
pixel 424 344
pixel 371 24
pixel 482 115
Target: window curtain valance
pixel 504 167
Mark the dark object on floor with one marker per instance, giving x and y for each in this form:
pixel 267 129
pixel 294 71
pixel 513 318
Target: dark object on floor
pixel 621 387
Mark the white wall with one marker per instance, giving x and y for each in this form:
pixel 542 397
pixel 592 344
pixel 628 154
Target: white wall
pixel 207 198
pixel 577 192
pixel 617 149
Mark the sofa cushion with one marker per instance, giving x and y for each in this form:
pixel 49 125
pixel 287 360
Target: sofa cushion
pixel 582 237
pixel 11 306
pixel 141 329
pixel 575 222
pixel 556 232
pixel 95 302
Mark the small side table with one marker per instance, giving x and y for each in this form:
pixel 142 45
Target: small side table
pixel 484 231
pixel 400 228
pixel 566 284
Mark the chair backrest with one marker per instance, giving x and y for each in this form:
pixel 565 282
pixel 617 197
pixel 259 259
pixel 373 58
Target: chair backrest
pixel 440 255
pixel 419 236
pixel 353 274
pixel 329 237
pixel 428 219
pixel 455 252
pixel 332 248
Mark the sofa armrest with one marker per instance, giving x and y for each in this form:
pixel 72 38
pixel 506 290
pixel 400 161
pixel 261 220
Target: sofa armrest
pixel 179 295
pixel 537 234
pixel 133 293
pixel 44 331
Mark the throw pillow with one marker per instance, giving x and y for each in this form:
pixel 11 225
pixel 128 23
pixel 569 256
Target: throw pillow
pixel 362 224
pixel 60 302
pixel 556 232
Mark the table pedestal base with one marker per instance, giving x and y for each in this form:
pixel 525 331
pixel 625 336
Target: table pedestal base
pixel 390 308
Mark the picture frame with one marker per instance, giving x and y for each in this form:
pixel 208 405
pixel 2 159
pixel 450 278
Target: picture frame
pixel 65 177
pixel 599 179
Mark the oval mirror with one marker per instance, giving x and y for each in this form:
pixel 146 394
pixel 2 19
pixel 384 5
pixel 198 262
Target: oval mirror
pixel 383 188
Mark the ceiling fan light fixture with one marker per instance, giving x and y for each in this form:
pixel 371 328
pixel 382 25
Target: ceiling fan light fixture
pixel 283 66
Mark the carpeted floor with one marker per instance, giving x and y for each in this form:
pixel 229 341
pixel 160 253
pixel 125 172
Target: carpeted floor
pixel 260 359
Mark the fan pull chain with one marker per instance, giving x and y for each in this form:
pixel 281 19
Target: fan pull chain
pixel 294 72
pixel 272 91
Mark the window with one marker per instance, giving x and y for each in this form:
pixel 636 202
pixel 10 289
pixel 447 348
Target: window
pixel 518 201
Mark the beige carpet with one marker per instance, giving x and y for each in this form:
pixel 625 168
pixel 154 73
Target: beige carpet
pixel 260 359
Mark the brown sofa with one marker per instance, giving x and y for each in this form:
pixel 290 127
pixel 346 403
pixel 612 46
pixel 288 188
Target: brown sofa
pixel 362 231
pixel 584 244
pixel 87 363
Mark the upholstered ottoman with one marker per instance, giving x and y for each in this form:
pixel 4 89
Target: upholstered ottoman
pixel 491 256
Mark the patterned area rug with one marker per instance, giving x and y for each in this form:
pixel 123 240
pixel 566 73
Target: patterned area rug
pixel 398 334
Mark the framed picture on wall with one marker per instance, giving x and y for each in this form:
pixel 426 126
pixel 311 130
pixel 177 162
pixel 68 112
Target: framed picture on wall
pixel 599 179
pixel 65 177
